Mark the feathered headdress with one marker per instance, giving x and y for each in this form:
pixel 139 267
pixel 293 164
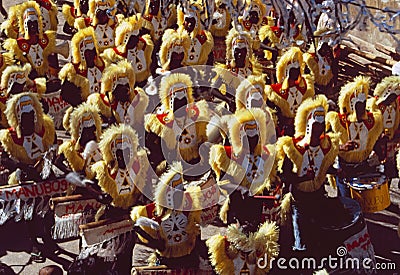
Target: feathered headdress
pixel 113 73
pixel 172 40
pixel 83 116
pixel 108 5
pixel 290 59
pixel 175 81
pixel 254 118
pixel 19 103
pixel 30 9
pixel 302 114
pixel 358 88
pixel 252 84
pixel 82 39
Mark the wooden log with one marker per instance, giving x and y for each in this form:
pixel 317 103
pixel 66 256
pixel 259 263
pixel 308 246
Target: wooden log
pixel 388 51
pixel 368 56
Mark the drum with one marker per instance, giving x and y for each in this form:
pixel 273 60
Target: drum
pixel 271 205
pixel 344 232
pixel 219 49
pixel 371 191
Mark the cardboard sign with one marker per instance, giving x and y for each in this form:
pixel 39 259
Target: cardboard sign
pixel 99 234
pixel 57 107
pixel 33 190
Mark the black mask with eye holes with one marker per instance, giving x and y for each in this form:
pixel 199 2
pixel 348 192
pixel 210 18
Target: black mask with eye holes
pixel 257 103
pixel 123 157
pixel 84 6
pixel 154 7
pixel 389 99
pixel 324 50
pixel 294 73
pixel 253 141
pixel 240 57
pixel 102 17
pixel 360 108
pixel 176 60
pixel 222 6
pixel 28 123
pixel 16 88
pixel 179 106
pixel 254 17
pixel 88 134
pixel 33 27
pixel 190 24
pixel 317 129
pixel 90 56
pixel 121 92
pixel 132 42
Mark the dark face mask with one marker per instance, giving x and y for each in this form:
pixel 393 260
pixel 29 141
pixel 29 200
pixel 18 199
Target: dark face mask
pixel 123 157
pixel 257 103
pixel 121 93
pixel 16 88
pixel 190 23
pixel 360 110
pixel 88 134
pixel 28 123
pixel 324 50
pixel 90 56
pixel 294 73
pixel 154 7
pixel 389 99
pixel 33 27
pixel 240 57
pixel 317 129
pixel 176 60
pixel 253 141
pixel 179 106
pixel 254 17
pixel 102 17
pixel 84 6
pixel 132 42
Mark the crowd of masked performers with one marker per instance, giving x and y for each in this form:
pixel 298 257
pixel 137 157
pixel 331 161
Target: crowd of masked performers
pixel 256 134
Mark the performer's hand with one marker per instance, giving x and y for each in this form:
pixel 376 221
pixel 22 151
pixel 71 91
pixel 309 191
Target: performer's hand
pixel 104 199
pixel 348 146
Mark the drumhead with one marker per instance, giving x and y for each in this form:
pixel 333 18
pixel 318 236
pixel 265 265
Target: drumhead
pixel 366 182
pixel 340 213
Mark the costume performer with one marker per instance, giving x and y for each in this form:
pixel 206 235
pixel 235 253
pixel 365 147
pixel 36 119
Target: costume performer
pixel 119 99
pixel 174 226
pixel 180 123
pixel 79 153
pixel 303 162
pixel 292 87
pixel 35 46
pixel 221 23
pixel 30 135
pixel 386 100
pixel 202 41
pixel 102 14
pixel 131 45
pixel 358 128
pixel 85 70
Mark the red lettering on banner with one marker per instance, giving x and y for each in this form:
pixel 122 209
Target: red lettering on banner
pixel 10 193
pixel 117 228
pixel 69 207
pixel 47 187
pixel 362 242
pixel 29 191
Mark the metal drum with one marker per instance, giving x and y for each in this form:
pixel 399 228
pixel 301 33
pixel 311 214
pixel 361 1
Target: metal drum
pixel 344 233
pixel 371 191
